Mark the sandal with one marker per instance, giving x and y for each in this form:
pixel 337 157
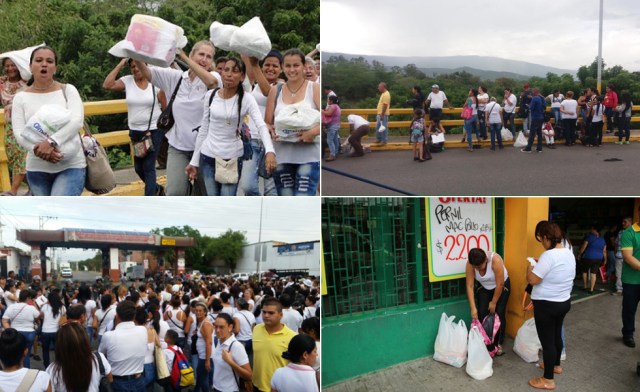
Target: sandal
pixel 7 193
pixel 541 383
pixel 556 369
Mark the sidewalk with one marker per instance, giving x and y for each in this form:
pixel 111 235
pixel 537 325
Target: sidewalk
pixel 596 360
pixel 454 141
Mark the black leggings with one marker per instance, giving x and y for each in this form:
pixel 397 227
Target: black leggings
pixel 483 297
pixel 549 317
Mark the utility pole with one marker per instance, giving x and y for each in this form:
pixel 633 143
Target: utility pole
pixel 600 48
pixel 42 220
pixel 260 238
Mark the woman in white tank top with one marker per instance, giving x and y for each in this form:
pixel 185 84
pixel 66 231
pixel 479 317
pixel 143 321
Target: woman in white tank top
pixel 493 290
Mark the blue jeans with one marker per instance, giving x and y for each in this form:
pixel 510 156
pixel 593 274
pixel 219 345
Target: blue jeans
pixel 297 179
pixel 69 182
pixel 249 180
pixel 382 136
pixel 333 139
pixel 149 375
pixel 90 333
pixel 496 129
pixel 207 175
pixel 135 385
pixel 536 130
pixel 630 299
pixel 146 167
pixel 556 116
pixel 526 123
pixel 48 339
pixel 204 379
pixel 471 126
pixel 510 122
pixel 624 128
pixel 30 337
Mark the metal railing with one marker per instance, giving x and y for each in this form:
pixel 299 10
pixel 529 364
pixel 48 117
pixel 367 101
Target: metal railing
pixel 98 108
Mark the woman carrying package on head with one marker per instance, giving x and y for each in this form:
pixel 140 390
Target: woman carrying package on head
pixel 143 108
pixel 218 156
pixel 190 88
pixel 298 171
pixel 493 291
pixel 56 164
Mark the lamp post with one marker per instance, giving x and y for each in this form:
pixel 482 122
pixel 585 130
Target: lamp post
pixel 600 49
pixel 260 238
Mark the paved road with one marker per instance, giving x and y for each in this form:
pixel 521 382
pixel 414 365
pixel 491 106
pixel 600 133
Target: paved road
pixel 596 361
pixel 573 171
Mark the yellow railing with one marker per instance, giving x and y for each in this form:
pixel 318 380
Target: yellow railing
pixel 99 108
pixel 458 122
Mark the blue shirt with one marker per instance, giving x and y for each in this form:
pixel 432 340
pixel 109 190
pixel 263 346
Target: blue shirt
pixel 594 248
pixel 537 107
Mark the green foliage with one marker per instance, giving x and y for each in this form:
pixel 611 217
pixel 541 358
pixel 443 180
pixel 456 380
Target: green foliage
pixel 92 264
pixel 118 157
pixel 227 247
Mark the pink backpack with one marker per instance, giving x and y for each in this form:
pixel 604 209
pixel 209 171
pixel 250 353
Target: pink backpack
pixel 489 330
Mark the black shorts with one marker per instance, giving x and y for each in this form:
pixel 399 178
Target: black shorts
pixel 435 115
pixel 590 265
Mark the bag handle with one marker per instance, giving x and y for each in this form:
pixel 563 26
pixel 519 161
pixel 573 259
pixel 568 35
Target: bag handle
pixel 153 105
pixel 175 92
pixel 28 380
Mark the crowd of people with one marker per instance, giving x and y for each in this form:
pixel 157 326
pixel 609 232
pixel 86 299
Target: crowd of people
pixel 211 101
pixel 576 117
pixel 211 334
pixel 550 281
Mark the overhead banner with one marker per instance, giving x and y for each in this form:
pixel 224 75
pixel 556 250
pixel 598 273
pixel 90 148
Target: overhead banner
pixel 454 226
pixel 108 236
pixel 294 249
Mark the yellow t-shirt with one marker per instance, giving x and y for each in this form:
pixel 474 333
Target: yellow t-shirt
pixel 267 354
pixel 384 98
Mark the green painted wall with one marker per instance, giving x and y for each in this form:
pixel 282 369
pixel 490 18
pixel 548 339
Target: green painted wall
pixel 374 342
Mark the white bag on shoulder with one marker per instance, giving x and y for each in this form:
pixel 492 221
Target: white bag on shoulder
pixel 506 135
pixel 479 362
pixel 527 343
pixel 451 343
pixel 521 140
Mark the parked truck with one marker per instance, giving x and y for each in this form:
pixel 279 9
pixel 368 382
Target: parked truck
pixel 65 270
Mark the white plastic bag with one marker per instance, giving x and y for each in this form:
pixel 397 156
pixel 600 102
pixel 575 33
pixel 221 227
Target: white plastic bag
pixel 251 39
pixel 437 138
pixel 21 59
pixel 293 119
pixel 479 362
pixel 521 141
pixel 382 128
pixel 220 34
pixel 451 343
pixel 527 343
pixel 506 134
pixel 45 122
pixel 152 40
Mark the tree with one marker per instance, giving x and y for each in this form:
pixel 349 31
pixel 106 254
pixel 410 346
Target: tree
pixel 227 247
pixel 193 255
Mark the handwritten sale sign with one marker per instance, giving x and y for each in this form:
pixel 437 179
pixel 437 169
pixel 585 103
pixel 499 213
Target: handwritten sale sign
pixel 454 226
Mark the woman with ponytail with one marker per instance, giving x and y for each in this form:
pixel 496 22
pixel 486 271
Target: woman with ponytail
pixel 298 375
pixel 219 145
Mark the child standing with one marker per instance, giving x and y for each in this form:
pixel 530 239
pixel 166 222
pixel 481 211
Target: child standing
pixel 417 134
pixel 548 132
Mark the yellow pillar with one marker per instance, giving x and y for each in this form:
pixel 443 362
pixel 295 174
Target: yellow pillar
pixel 521 217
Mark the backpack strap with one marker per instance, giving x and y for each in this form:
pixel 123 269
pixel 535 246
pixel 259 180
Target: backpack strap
pixel 28 380
pixel 235 376
pixel 100 364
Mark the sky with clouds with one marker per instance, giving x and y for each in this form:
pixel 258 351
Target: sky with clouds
pixel 558 33
pixel 284 219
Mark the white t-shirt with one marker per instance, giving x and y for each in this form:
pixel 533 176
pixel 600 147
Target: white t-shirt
pixel 437 100
pixel 10 301
pixel 294 378
pixel 493 108
pixel 139 103
pixel 247 319
pixel 26 104
pixel 10 381
pixel 187 106
pixel 555 101
pixel 510 104
pixel 105 317
pixel 218 137
pixel 484 97
pixel 201 342
pixel 125 348
pixel 51 324
pixel 223 377
pixel 90 305
pixel 569 105
pixel 292 319
pixel 357 121
pixel 175 324
pixel 557 269
pixel 598 111
pixel 308 312
pixel 58 384
pixel 21 316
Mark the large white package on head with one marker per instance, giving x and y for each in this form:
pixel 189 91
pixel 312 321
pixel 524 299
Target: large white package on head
pixel 451 343
pixel 251 39
pixel 152 40
pixel 21 59
pixel 293 119
pixel 46 122
pixel 220 34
